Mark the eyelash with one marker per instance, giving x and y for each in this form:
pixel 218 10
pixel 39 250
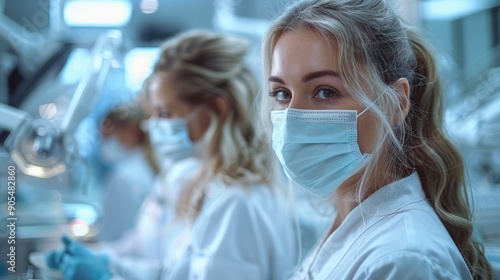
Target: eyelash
pixel 328 100
pixel 274 94
pixel 164 115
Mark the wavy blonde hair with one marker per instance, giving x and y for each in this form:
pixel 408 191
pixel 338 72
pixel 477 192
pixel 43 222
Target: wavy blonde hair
pixel 206 66
pixel 376 49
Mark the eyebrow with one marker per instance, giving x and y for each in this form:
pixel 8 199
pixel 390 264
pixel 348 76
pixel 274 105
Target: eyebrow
pixel 308 77
pixel 276 80
pixel 319 74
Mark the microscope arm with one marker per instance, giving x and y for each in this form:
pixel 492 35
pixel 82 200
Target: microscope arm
pixel 12 119
pixel 92 82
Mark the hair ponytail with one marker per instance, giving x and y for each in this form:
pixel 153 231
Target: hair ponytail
pixel 437 161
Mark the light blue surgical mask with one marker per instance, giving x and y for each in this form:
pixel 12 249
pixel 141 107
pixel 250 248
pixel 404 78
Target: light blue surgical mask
pixel 170 139
pixel 318 149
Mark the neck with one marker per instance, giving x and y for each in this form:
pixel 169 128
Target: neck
pixel 347 197
pixel 345 201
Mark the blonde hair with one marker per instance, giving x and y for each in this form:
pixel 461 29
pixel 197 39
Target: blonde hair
pixel 206 66
pixel 375 50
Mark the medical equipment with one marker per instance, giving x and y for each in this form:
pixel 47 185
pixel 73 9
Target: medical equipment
pixel 38 260
pixel 42 149
pixel 46 151
pixel 474 123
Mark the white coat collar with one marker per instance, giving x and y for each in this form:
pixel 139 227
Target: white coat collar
pixel 389 199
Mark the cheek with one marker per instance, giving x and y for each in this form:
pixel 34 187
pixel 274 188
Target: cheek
pixel 198 126
pixel 366 133
pixel 123 139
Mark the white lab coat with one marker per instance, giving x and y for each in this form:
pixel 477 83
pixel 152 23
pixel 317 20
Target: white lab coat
pixel 241 233
pixel 394 234
pixel 155 226
pixel 127 186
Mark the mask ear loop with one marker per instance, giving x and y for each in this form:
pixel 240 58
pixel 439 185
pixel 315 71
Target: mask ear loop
pixel 362 112
pixel 191 115
pixel 366 109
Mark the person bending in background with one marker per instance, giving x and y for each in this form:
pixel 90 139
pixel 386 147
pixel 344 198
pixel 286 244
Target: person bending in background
pixel 127 149
pixel 355 105
pixel 236 226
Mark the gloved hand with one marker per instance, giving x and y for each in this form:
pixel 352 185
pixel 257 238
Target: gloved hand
pixel 53 258
pixel 75 248
pixel 79 268
pixel 77 262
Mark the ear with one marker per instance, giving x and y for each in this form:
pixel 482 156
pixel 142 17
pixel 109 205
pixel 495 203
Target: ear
pixel 221 105
pixel 132 132
pixel 403 88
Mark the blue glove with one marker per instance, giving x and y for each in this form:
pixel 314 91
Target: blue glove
pixel 53 258
pixel 77 262
pixel 79 268
pixel 75 248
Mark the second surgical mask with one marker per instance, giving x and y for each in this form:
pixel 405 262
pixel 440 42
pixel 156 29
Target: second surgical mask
pixel 170 138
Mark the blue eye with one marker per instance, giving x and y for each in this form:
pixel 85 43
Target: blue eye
pixel 165 115
pixel 281 95
pixel 326 93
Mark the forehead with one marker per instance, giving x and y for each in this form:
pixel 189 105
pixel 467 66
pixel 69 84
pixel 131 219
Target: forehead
pixel 165 95
pixel 162 90
pixel 160 81
pixel 303 50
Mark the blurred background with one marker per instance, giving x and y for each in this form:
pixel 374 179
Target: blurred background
pixel 65 64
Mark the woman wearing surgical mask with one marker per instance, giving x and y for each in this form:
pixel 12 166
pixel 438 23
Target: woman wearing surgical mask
pixel 356 113
pixel 202 95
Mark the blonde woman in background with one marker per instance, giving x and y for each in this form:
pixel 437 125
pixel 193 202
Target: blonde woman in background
pixel 236 226
pixel 355 105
